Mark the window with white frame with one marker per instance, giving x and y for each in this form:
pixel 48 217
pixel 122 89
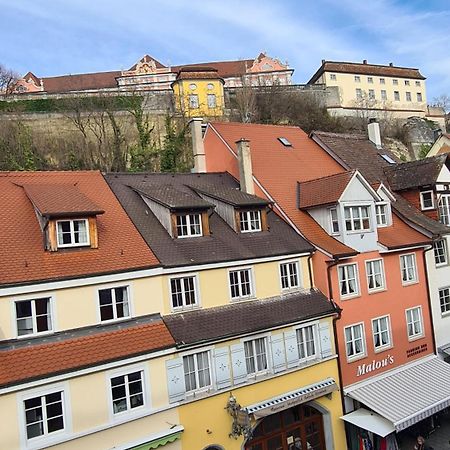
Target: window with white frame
pixel 72 233
pixel 444 209
pixel 357 218
pixel 289 275
pixel 397 96
pixel 193 101
pixel 408 268
pixel 189 225
pixel 357 79
pixel 33 316
pixel 250 221
pixel 408 96
pixel 334 220
pixel 381 332
pixel 370 80
pixel 241 283
pixel 256 355
pixel 414 322
pixel 44 414
pixel 417 83
pixel 395 82
pixel 348 280
pixel 419 97
pixel 306 342
pixel 333 76
pixel 382 81
pixel 383 94
pixel 113 303
pixel 358 93
pixel 440 252
pixel 371 94
pixel 212 101
pixel 197 372
pixel 381 210
pixel 183 292
pixel 127 392
pixel 375 275
pixel 406 82
pixel 444 300
pixel 354 341
pixel 426 200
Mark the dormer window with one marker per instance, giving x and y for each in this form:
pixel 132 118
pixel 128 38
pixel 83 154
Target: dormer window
pixel 334 221
pixel 357 218
pixel 426 200
pixel 72 233
pixel 382 214
pixel 250 221
pixel 189 225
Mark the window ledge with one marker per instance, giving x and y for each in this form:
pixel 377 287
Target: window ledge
pixel 120 319
pixel 184 309
pixel 350 297
pixel 409 283
pixel 445 314
pixel 383 349
pixel 415 338
pixel 356 358
pixel 376 291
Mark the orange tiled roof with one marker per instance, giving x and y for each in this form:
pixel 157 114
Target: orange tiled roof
pixel 444 149
pixel 23 258
pixel 39 361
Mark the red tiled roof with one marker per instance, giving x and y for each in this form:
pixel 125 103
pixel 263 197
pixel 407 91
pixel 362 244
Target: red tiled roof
pixel 23 258
pixel 81 82
pixel 38 361
pixel 323 191
pixel 197 72
pixel 224 68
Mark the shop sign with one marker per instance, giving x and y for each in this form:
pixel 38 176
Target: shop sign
pixel 364 369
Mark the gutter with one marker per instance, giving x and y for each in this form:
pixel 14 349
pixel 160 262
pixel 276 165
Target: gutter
pixel 429 297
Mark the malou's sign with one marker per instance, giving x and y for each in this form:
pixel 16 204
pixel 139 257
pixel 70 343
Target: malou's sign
pixel 364 369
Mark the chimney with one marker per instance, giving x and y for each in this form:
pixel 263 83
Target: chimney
pixel 364 61
pixel 245 166
pixel 323 61
pixel 374 132
pixel 391 64
pixel 197 145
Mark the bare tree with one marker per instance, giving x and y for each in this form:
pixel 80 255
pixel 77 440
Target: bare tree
pixel 8 81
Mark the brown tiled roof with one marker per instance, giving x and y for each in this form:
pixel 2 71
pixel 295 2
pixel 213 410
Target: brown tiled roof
pixel 211 324
pixel 366 69
pixel 223 243
pixel 303 161
pixel 444 149
pixel 232 196
pixel 23 258
pixel 198 73
pixel 81 82
pixel 224 68
pixel 323 191
pixel 60 200
pixel 31 362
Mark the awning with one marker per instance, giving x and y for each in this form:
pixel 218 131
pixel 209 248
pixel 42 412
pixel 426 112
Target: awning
pixel 445 350
pixel 289 399
pixel 370 421
pixel 408 394
pixel 153 441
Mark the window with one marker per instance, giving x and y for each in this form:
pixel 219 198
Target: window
pixel 357 79
pixel 33 316
pixel 127 392
pixel 72 233
pixel 414 322
pixel 427 200
pixel 397 96
pixel 192 86
pixel 444 209
pixel 372 94
pixel 417 83
pixel 289 275
pixel 375 275
pixel 305 342
pixel 189 225
pixel 357 218
pixel 444 300
pixel 381 213
pixel 113 303
pixel 406 82
pixel 212 102
pixel 387 158
pixel 370 80
pixel 354 340
pixel 408 267
pixel 240 283
pixel 348 280
pixel 419 97
pixel 381 333
pixel 408 96
pixel 440 252
pixel 250 221
pixel 334 221
pixel 210 86
pixel 382 81
pixel 193 101
pixel 255 355
pixel 333 76
pixel 182 292
pixel 285 141
pixel 358 93
pixel 395 82
pixel 383 94
pixel 197 373
pixel 44 414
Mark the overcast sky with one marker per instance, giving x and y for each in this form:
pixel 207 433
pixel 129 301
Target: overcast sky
pixel 56 37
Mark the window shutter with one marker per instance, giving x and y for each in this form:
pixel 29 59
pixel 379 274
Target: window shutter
pixel 325 339
pixel 175 380
pixel 290 342
pixel 278 354
pixel 222 364
pixel 238 363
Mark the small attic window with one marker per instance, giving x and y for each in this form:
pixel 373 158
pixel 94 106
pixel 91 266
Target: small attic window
pixel 72 233
pixel 387 158
pixel 285 142
pixel 189 225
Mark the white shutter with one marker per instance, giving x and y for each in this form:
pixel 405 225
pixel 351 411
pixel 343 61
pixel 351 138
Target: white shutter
pixel 278 354
pixel 290 342
pixel 325 339
pixel 175 380
pixel 222 365
pixel 238 363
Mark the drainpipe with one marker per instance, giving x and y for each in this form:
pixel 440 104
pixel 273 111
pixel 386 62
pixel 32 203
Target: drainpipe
pixel 429 297
pixel 311 284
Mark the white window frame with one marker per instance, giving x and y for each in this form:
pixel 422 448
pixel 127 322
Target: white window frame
pixel 419 97
pixel 211 384
pixel 370 80
pixel 346 280
pixel 371 94
pixel 185 307
pixel 444 252
pixel 333 77
pixel 360 219
pixel 211 100
pixel 383 94
pixel 395 82
pixel 72 234
pixel 257 371
pixel 189 219
pixel 334 221
pixel 444 209
pixel 417 83
pixel 363 353
pixel 382 81
pixel 358 93
pixel 382 347
pixel 193 101
pixel 245 217
pixel 414 336
pixel 408 96
pixel 383 278
pixel 251 280
pixel 289 274
pixel 379 214
pixel 416 277
pixel 357 79
pixel 422 203
pixel 114 303
pixel 315 342
pixel 446 310
pixel 51 310
pixel 396 96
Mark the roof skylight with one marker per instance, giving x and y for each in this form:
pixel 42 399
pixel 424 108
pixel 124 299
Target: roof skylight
pixel 285 142
pixel 387 158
